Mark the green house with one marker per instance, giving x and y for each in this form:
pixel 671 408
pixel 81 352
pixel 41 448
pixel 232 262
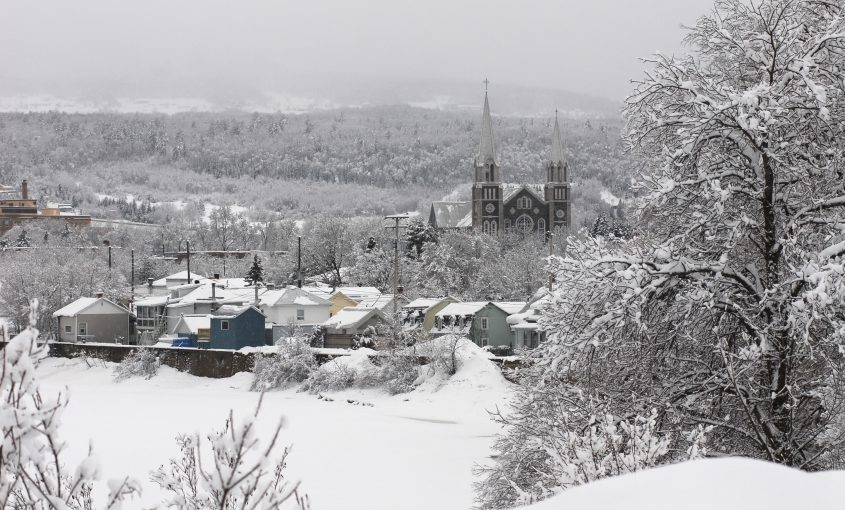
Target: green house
pixel 483 322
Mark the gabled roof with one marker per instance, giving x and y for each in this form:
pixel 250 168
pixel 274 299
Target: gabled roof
pixel 231 311
pixel 84 304
pixel 357 293
pixel 292 296
pixel 426 304
pixel 381 301
pixel 462 309
pixel 180 276
pixel 193 323
pixel 350 318
pixel 451 214
pixel 510 307
pixel 511 190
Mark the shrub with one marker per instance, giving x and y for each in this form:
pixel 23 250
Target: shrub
pixel 140 363
pixel 293 362
pixel 332 376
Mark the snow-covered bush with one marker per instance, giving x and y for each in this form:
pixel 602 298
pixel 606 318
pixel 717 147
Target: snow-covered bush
pixel 32 472
pixel 555 439
pixel 335 375
pixel 240 473
pixel 139 363
pixel 293 363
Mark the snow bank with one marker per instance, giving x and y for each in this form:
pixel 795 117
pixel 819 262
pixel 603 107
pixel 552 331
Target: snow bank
pixel 476 374
pixel 723 484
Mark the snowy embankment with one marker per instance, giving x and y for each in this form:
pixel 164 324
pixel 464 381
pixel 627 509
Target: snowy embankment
pixel 354 449
pixel 713 484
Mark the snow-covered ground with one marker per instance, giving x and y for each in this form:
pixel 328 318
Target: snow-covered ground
pixel 713 484
pixel 413 451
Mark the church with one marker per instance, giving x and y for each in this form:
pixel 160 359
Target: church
pixel 498 207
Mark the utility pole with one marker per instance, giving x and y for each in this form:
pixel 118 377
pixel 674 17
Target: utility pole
pixel 551 253
pixel 396 274
pixel 109 256
pixel 188 252
pixel 132 273
pixel 299 261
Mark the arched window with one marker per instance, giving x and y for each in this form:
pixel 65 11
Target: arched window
pixel 507 225
pixel 541 226
pixel 486 227
pixel 494 228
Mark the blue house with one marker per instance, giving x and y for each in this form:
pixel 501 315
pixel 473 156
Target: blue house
pixel 237 327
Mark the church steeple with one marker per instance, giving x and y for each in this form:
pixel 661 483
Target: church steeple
pixel 557 168
pixel 486 151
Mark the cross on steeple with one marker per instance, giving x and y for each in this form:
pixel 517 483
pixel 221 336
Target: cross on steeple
pixel 486 83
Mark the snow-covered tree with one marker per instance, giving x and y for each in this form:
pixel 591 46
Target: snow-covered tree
pixel 726 310
pixel 32 469
pixel 240 472
pixel 255 275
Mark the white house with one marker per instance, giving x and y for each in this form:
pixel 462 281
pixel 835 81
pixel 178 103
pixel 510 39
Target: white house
pixel 293 305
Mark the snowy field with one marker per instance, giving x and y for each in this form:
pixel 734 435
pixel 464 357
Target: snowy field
pixel 412 451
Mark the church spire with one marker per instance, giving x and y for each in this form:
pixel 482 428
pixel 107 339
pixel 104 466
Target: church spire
pixel 557 145
pixel 486 152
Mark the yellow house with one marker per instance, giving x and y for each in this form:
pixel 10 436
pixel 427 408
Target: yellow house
pixel 339 301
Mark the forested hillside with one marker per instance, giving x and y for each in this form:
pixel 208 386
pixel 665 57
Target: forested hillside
pixel 363 161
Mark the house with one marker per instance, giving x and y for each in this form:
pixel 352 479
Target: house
pixel 384 302
pixel 236 327
pixel 343 327
pixel 526 330
pixel 152 318
pixel 95 319
pixel 208 297
pixel 422 311
pixel 348 297
pixel 294 306
pixel 196 329
pixel 483 322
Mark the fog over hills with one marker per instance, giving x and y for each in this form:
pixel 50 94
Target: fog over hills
pixel 319 94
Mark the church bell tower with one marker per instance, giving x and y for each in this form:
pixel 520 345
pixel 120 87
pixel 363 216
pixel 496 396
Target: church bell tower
pixel 557 188
pixel 487 210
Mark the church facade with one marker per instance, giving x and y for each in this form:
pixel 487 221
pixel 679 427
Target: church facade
pixel 497 207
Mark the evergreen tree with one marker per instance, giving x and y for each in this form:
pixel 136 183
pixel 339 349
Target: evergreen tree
pixel 23 240
pixel 256 272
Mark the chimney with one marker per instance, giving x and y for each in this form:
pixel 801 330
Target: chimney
pixel 24 190
pixel 216 276
pixel 150 282
pixel 213 290
pixel 98 295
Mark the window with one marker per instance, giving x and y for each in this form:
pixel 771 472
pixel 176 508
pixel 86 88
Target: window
pixel 524 224
pixel 541 226
pixel 300 314
pixel 68 328
pixel 494 228
pixel 224 325
pixel 486 227
pixel 484 323
pixel 523 203
pixel 485 341
pixel 83 328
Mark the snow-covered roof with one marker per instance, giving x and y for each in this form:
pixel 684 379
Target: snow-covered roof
pixel 381 302
pixel 357 293
pixel 193 323
pixel 510 190
pixel 292 296
pixel 232 311
pixel 82 304
pixel 181 276
pixel 511 307
pixel 462 309
pixel 349 318
pixel 154 301
pixel 423 303
pixel 451 214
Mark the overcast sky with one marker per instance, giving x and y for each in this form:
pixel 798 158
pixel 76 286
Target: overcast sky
pixel 186 48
